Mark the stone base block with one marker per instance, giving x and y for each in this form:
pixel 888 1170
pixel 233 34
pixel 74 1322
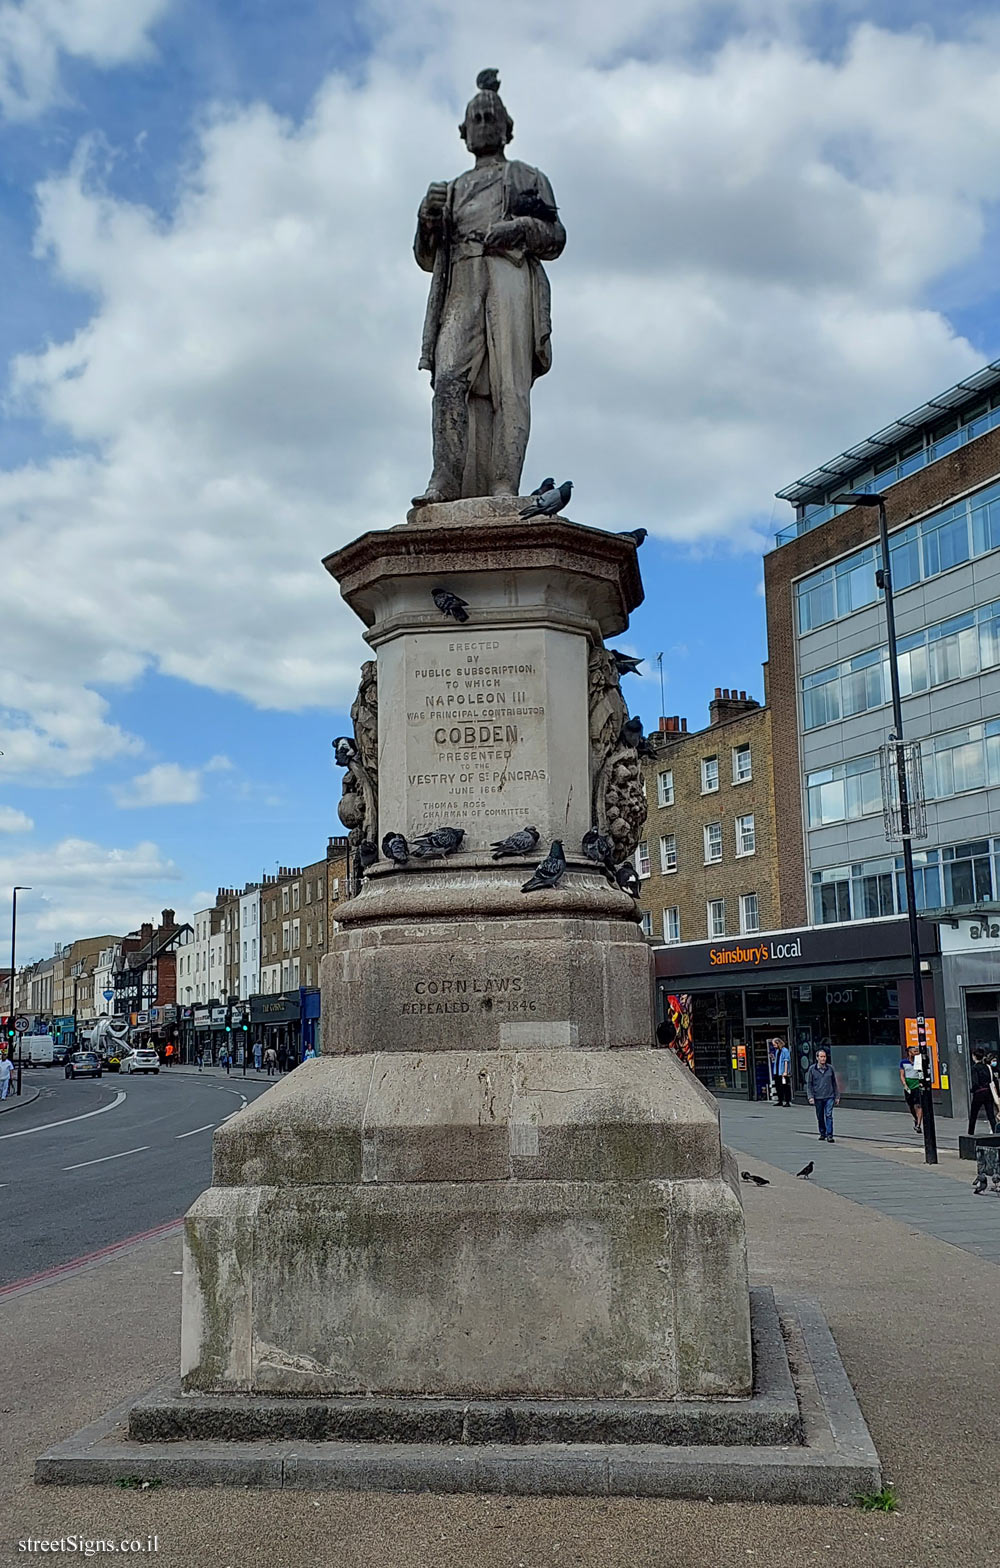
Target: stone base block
pixel 578 983
pixel 800 1437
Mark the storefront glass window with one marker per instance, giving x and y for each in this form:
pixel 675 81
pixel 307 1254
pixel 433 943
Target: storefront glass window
pixel 858 1024
pixel 770 1003
pixel 717 1034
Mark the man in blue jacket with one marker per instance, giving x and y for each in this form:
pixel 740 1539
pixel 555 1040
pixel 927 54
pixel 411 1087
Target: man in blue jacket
pixel 824 1092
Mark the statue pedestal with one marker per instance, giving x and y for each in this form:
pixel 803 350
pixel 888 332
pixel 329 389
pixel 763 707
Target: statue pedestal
pixel 489 1185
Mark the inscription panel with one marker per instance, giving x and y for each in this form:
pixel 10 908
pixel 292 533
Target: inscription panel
pixel 508 994
pixel 475 745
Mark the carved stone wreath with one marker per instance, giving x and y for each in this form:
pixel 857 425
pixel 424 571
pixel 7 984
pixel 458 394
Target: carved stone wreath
pixel 618 804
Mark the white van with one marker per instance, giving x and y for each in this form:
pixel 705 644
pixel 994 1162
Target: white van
pixel 38 1050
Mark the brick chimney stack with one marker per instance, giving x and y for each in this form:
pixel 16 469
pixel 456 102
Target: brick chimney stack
pixel 727 704
pixel 673 726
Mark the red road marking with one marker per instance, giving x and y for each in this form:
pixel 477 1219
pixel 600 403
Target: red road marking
pixel 49 1276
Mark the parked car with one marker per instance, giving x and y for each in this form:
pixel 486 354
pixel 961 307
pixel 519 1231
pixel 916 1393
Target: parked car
pixel 38 1050
pixel 141 1061
pixel 84 1064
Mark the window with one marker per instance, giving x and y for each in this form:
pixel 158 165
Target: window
pixel 284 900
pixel 713 842
pixel 309 892
pixel 309 936
pixel 709 775
pixel 646 923
pixel 253 951
pixel 844 792
pixel 665 788
pixel 746 836
pixel 309 969
pixel 319 887
pixel 286 932
pixel 642 864
pixel 742 766
pixel 295 933
pixel 716 917
pixel 295 896
pixel 295 971
pixel 672 924
pixel 749 914
pixel 244 950
pixel 668 853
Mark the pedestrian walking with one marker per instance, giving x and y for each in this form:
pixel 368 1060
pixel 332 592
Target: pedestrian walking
pixel 258 1054
pixel 824 1093
pixel 782 1070
pixel 5 1076
pixel 911 1077
pixel 984 1092
pixel 282 1057
pixel 270 1060
pixel 226 1059
pixel 310 1054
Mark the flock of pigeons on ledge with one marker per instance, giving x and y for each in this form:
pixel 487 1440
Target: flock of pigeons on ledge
pixel 548 499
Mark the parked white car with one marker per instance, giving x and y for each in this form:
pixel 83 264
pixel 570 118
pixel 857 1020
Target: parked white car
pixel 141 1061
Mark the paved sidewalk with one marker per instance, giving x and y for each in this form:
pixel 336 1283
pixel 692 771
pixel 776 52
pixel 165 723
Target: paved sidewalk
pixel 877 1161
pixel 15 1101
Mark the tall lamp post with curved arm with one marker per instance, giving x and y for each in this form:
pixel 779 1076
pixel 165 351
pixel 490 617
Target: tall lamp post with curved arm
pixel 13 970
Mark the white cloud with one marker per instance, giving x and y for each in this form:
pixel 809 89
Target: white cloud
pixel 166 784
pixel 14 821
pixel 34 33
pixel 752 237
pixel 78 888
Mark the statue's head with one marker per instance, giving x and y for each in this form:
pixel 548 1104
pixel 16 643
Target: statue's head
pixel 487 126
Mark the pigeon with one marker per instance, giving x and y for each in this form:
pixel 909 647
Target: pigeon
pixel 632 735
pixel 550 501
pixel 995 1183
pixel 806 1170
pixel 598 847
pixel 628 879
pixel 517 844
pixel 450 604
pixel 759 1181
pixel 345 750
pixel 367 853
pixel 638 535
pixel 549 873
pixel 439 842
pixel 979 1185
pixel 396 849
pixel 546 484
pixel 488 81
pixel 624 662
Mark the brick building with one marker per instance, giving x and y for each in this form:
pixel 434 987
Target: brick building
pixel 828 683
pixel 148 973
pixel 708 864
pixel 297 919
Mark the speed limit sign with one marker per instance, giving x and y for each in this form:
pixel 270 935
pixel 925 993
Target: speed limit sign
pixel 21 1024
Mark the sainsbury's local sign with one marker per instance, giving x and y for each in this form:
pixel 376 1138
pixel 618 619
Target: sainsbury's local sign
pixel 754 955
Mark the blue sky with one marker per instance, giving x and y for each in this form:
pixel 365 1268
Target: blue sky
pixel 782 225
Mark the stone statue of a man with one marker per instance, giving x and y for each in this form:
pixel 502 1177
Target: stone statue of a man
pixel 483 238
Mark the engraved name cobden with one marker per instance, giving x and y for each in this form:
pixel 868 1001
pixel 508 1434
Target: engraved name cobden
pixel 483 237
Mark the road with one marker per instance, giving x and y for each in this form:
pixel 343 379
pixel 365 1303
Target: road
pixel 95 1161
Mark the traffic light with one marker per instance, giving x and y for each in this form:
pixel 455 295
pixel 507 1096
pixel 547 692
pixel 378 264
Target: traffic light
pixel 229 1028
pixel 245 1028
pixel 11 1032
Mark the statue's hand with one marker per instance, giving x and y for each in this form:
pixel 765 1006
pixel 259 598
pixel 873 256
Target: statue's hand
pixel 433 204
pixel 508 234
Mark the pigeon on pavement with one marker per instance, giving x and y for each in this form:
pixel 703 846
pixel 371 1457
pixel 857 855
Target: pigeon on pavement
pixel 628 879
pixel 345 750
pixel 396 849
pixel 979 1185
pixel 624 663
pixel 637 535
pixel 546 484
pixel 550 871
pixel 439 842
pixel 450 604
pixel 550 501
pixel 759 1181
pixel 806 1170
pixel 516 844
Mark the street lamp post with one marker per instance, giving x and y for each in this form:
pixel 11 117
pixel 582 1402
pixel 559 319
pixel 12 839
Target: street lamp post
pixel 884 580
pixel 13 972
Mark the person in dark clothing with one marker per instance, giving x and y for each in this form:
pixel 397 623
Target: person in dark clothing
pixel 282 1058
pixel 823 1091
pixel 982 1092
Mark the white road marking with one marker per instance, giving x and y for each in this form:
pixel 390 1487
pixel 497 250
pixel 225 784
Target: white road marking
pixel 105 1157
pixel 196 1129
pixel 119 1097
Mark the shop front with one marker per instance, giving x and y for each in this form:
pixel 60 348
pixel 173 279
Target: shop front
pixel 277 1021
pixel 970 962
pixel 845 989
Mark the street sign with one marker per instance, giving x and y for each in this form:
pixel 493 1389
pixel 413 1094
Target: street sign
pixel 108 996
pixel 21 1024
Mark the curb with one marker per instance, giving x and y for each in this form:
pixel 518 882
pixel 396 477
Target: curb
pixel 13 1103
